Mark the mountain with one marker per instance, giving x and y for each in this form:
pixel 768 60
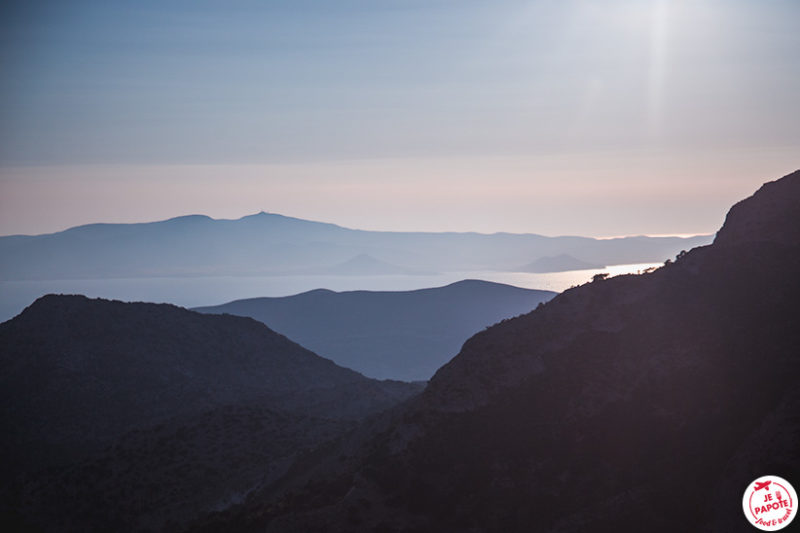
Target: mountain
pixel 399 335
pixel 270 244
pixel 363 265
pixel 129 406
pixel 636 403
pixel 558 263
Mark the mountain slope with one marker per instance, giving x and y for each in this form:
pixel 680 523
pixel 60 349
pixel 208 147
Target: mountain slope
pixel 162 477
pixel 267 244
pixel 398 335
pixel 82 378
pixel 642 403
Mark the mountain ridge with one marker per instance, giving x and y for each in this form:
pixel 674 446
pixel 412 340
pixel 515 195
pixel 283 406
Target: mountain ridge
pixel 114 413
pixel 188 360
pixel 650 399
pixel 389 334
pixel 271 244
pixel 261 215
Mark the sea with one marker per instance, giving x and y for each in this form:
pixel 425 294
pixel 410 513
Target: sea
pixel 214 290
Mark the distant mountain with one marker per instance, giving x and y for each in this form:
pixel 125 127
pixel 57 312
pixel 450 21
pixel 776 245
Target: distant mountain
pixel 266 244
pixel 363 265
pixel 558 263
pixel 398 335
pixel 637 403
pixel 132 406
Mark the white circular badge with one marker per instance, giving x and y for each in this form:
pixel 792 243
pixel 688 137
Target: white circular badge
pixel 770 503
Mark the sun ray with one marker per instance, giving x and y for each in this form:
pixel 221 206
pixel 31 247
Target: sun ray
pixel 659 26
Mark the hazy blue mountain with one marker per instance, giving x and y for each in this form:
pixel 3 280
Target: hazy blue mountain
pixel 637 403
pixel 115 415
pixel 269 244
pixel 558 263
pixel 399 335
pixel 362 265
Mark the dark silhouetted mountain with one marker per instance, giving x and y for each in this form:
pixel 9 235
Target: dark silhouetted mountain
pixel 162 477
pixel 636 403
pixel 127 406
pixel 558 263
pixel 770 215
pixel 267 244
pixel 399 335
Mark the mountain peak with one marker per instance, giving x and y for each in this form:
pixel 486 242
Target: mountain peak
pixel 188 219
pixel 366 265
pixel 62 303
pixel 772 214
pixel 262 214
pixel 558 263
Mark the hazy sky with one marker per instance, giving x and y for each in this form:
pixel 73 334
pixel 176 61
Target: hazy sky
pixel 554 117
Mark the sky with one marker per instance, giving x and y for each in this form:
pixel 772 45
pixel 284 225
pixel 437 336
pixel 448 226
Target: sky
pixel 556 117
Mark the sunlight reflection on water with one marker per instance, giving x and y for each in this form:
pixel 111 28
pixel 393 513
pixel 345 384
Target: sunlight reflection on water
pixel 197 291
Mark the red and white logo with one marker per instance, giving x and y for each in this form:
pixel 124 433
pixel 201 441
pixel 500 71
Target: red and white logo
pixel 770 503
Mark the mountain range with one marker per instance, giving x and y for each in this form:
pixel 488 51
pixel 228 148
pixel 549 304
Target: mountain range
pixel 271 244
pixel 130 415
pixel 640 402
pixel 636 403
pixel 403 335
